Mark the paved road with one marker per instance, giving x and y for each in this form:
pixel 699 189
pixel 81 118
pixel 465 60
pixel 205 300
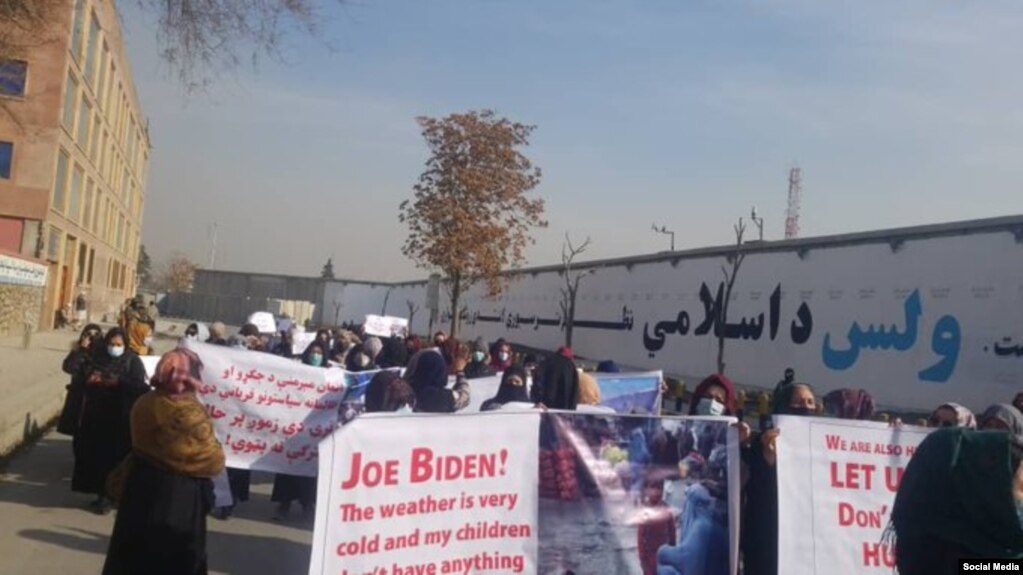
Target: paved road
pixel 46 529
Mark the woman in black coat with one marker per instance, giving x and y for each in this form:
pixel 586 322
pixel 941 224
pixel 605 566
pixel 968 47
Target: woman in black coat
pixel 114 379
pixel 74 365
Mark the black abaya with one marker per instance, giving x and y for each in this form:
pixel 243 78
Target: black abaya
pixel 161 524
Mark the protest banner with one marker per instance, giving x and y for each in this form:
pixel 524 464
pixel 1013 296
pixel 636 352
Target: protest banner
pixel 270 413
pixel 385 326
pixel 630 392
pixel 537 493
pixel 264 322
pixel 149 362
pixel 837 481
pixel 300 341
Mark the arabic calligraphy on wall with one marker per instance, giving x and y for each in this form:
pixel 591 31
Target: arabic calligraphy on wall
pixel 945 342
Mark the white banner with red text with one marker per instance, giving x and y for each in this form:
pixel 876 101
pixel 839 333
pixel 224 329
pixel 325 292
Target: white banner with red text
pixel 837 481
pixel 527 492
pixel 270 413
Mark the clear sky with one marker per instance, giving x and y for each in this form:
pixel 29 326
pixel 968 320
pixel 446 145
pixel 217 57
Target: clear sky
pixel 680 112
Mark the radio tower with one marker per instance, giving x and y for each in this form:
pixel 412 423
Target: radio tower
pixel 795 197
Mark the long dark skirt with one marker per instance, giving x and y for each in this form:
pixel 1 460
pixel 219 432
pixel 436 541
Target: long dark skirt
pixel 161 524
pixel 239 479
pixel 102 441
pixel 288 488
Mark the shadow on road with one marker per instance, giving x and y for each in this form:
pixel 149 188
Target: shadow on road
pixel 228 553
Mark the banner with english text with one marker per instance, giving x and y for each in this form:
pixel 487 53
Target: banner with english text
pixel 270 413
pixel 837 481
pixel 528 492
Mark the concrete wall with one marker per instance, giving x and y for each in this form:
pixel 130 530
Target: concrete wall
pixel 19 305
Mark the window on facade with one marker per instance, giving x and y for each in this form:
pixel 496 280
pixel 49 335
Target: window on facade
pixel 13 75
pixel 75 194
pixel 110 87
pixel 83 262
pixel 94 144
pixel 70 91
pixel 87 207
pixel 90 49
pixel 119 242
pixel 94 224
pixel 84 117
pixel 125 179
pixel 131 198
pixel 92 260
pixel 53 242
pixel 60 182
pixel 6 159
pixel 101 84
pixel 76 30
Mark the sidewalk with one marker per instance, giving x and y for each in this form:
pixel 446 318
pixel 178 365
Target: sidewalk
pixel 46 529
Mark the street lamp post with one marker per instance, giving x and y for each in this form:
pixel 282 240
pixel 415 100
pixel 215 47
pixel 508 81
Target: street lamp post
pixel 758 221
pixel 666 231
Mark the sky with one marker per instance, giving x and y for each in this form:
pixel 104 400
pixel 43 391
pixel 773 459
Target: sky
pixel 680 113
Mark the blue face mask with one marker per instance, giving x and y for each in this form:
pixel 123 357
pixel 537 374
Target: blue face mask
pixel 478 356
pixel 405 409
pixel 315 360
pixel 115 350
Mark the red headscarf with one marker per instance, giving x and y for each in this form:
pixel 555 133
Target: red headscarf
pixel 716 379
pixel 566 351
pixel 177 373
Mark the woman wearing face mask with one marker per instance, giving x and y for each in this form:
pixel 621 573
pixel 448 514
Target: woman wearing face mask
pixel 952 415
pixel 1004 417
pixel 289 488
pixel 502 357
pixel 114 379
pixel 512 394
pixel 960 497
pixel 75 364
pixel 760 528
pixel 478 364
pixel 714 396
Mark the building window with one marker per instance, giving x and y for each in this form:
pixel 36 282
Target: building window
pixel 92 260
pixel 87 210
pixel 13 74
pixel 94 144
pixel 90 53
pixel 76 30
pixel 75 195
pixel 84 116
pixel 70 91
pixel 83 261
pixel 60 183
pixel 94 226
pixel 6 159
pixel 119 244
pixel 53 245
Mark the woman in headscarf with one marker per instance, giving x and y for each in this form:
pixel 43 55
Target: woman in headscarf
pixel 952 415
pixel 289 488
pixel 427 373
pixel 372 348
pixel 760 526
pixel 197 332
pixel 218 334
pixel 849 404
pixel 1017 402
pixel 511 393
pixel 558 385
pixel 114 379
pixel 388 392
pixel 167 491
pixel 479 361
pixel 960 497
pixel 1004 417
pixel 412 345
pixel 140 337
pixel 714 396
pixel 501 356
pixel 393 354
pixel 74 365
pixel 285 347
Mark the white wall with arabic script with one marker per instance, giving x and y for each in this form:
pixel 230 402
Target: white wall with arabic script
pixel 976 280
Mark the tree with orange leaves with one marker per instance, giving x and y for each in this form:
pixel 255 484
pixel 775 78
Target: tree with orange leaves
pixel 469 215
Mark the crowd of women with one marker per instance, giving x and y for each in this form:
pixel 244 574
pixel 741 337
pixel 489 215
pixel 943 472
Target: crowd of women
pixel 150 446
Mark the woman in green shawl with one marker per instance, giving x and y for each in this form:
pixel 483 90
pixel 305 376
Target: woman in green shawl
pixel 959 498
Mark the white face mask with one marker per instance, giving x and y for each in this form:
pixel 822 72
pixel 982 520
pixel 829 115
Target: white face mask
pixel 148 341
pixel 115 350
pixel 708 406
pixel 503 356
pixel 192 337
pixel 405 409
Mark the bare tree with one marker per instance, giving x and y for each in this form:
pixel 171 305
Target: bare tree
pixel 412 309
pixel 177 275
pixel 337 312
pixel 730 271
pixel 571 289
